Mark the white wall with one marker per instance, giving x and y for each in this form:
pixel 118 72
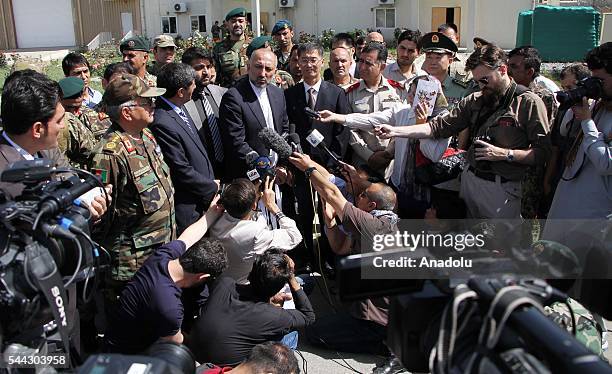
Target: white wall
pixel 155 9
pixel 43 23
pixel 497 20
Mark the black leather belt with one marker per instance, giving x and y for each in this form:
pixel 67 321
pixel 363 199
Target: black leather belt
pixel 487 176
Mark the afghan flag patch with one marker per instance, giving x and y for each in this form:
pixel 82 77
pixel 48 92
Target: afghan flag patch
pixel 102 174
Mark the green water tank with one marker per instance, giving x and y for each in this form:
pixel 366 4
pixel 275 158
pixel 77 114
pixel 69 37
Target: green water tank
pixel 565 34
pixel 523 32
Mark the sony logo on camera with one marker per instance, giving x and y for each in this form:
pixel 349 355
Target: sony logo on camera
pixel 59 302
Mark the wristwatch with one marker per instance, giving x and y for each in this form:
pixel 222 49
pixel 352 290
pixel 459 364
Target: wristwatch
pixel 309 171
pixel 510 155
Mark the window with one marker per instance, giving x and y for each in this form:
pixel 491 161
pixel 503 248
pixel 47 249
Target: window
pixel 169 25
pixel 198 23
pixel 385 18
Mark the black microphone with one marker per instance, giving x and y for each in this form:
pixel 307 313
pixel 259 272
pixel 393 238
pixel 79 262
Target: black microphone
pixel 275 142
pixel 58 200
pixel 316 140
pixel 294 142
pixel 251 160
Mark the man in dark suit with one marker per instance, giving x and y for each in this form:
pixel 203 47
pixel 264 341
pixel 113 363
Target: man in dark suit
pixel 176 132
pixel 319 95
pixel 250 106
pixel 204 105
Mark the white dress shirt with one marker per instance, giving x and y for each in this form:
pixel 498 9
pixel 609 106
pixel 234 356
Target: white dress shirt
pixel 317 88
pixel 244 239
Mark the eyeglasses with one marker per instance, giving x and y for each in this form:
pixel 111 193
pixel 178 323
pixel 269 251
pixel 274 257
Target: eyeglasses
pixel 145 102
pixel 482 82
pixel 364 194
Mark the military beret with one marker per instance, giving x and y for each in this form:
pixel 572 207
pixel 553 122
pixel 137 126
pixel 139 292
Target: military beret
pixel 71 87
pixel 438 43
pixel 136 43
pixel 280 25
pixel 163 41
pixel 128 87
pixel 257 43
pixel 236 12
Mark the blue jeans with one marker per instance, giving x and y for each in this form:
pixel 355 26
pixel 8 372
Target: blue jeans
pixel 345 333
pixel 290 340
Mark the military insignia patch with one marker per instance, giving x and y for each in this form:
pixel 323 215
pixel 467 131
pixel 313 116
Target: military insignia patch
pixel 131 44
pixel 435 39
pixel 110 145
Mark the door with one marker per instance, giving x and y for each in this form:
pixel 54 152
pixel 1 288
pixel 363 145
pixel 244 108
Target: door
pixel 126 23
pixel 47 23
pixel 442 15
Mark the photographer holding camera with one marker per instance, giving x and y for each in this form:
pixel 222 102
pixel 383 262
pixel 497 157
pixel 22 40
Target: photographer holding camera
pixel 508 129
pixel 585 189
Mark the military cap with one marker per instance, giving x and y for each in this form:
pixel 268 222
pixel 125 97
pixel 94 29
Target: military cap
pixel 480 42
pixel 236 12
pixel 163 41
pixel 71 87
pixel 128 87
pixel 438 43
pixel 280 25
pixel 257 43
pixel 136 43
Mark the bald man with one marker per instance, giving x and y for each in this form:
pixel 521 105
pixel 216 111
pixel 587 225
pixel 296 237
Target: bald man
pixel 252 104
pixel 375 37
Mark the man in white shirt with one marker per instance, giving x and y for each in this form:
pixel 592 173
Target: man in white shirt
pixel 244 232
pixel 405 70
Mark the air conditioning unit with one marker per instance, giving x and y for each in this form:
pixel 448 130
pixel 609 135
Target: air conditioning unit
pixel 286 3
pixel 386 2
pixel 180 7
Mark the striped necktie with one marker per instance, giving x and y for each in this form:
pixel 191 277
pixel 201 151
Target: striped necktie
pixel 214 129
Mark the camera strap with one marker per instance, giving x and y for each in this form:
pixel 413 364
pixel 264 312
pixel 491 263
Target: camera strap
pixel 42 270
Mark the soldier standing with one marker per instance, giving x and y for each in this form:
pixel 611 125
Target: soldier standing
pixel 282 33
pixel 373 93
pixel 74 140
pixel 230 53
pixel 136 51
pixel 141 216
pixel 164 50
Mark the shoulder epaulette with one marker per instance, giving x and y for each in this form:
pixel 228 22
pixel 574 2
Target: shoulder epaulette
pixel 112 143
pixel 102 116
pixel 353 87
pixel 146 132
pixel 396 84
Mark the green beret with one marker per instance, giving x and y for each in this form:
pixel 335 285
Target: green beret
pixel 71 87
pixel 280 25
pixel 438 43
pixel 136 43
pixel 236 12
pixel 257 43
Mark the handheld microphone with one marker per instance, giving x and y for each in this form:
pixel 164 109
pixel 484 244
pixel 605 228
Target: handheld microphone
pixel 251 159
pixel 316 140
pixel 275 142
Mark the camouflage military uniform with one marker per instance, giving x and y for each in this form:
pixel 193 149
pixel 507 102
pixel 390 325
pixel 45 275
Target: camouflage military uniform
pixel 365 100
pixel 151 80
pixel 533 182
pixel 97 122
pixel 283 80
pixel 141 216
pixel 283 62
pixel 76 141
pixel 588 330
pixel 154 68
pixel 230 60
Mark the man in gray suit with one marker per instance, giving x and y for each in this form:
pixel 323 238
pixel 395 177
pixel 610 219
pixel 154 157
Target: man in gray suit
pixel 204 106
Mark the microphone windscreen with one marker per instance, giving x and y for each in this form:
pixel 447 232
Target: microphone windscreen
pixel 292 128
pixel 275 142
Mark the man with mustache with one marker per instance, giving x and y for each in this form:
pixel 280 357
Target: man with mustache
pixel 508 132
pixel 230 53
pixel 250 106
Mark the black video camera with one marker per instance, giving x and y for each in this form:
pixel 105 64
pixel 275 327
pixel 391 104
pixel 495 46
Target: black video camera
pixel 44 248
pixel 590 87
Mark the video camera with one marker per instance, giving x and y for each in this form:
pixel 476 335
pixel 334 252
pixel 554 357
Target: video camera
pixel 590 87
pixel 45 248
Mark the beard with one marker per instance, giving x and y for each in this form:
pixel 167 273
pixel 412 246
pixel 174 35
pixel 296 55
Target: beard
pixel 237 31
pixel 492 96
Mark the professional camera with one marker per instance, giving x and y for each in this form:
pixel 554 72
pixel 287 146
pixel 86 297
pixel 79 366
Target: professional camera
pixel 590 87
pixel 45 249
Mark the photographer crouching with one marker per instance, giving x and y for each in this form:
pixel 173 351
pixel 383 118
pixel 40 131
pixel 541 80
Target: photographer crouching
pixel 363 329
